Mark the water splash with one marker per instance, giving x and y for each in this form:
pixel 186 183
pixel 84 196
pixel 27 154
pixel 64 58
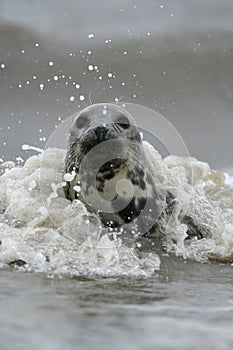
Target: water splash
pixel 40 230
pixel 28 148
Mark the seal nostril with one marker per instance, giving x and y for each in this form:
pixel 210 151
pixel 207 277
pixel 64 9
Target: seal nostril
pixel 100 132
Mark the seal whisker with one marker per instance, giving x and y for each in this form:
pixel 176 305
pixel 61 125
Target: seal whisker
pixel 89 96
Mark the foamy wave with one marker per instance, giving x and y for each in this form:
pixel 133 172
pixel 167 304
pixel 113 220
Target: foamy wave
pixel 40 230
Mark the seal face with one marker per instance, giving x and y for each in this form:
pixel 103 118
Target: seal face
pixel 110 173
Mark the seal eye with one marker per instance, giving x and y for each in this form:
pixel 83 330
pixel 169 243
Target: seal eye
pixel 81 122
pixel 123 122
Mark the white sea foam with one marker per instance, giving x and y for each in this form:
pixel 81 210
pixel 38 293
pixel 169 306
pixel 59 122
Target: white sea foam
pixel 41 228
pixel 44 232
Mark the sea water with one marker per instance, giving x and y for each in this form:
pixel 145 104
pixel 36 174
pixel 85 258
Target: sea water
pixel 86 289
pixel 173 56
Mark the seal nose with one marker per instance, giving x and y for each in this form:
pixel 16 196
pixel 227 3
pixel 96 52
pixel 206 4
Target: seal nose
pixel 100 132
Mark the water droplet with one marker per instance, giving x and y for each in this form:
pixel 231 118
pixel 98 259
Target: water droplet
pixel 77 188
pixel 71 98
pixel 69 176
pixel 3 66
pixel 37 44
pixel 55 77
pixel 90 67
pixel 110 75
pixel 90 36
pixel 82 98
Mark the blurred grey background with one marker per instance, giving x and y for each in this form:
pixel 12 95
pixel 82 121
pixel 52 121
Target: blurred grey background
pixel 173 56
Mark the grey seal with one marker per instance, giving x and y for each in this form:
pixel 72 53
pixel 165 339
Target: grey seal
pixel 108 136
pixel 108 129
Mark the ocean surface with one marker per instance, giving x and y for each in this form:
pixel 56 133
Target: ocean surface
pixel 60 289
